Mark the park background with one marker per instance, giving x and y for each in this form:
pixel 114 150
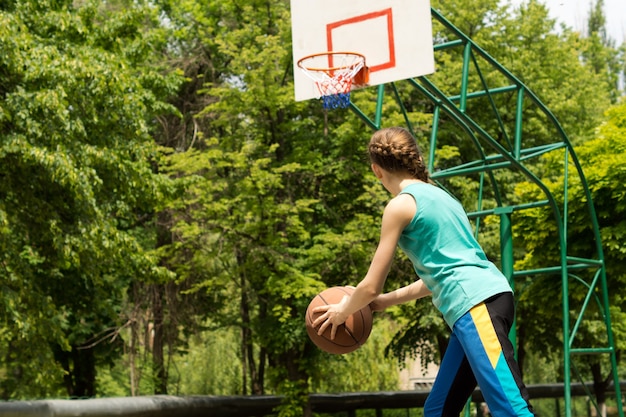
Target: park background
pixel 167 210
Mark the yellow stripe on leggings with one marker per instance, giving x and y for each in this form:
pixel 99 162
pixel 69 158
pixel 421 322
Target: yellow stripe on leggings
pixel 486 332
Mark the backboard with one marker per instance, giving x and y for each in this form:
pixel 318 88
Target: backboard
pixel 395 36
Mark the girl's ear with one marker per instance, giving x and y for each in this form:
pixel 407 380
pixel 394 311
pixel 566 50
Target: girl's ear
pixel 377 171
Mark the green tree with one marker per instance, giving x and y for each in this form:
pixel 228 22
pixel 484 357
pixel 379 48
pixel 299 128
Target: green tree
pixel 602 159
pixel 600 50
pixel 273 211
pixel 281 205
pixel 78 187
pixel 275 199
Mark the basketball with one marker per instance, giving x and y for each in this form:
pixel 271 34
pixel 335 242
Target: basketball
pixel 350 335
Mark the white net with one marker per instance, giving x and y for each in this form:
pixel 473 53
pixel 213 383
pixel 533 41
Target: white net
pixel 333 74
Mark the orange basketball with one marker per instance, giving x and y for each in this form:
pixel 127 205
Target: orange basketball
pixel 350 335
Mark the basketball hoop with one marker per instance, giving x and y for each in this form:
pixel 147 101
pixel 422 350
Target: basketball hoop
pixel 334 74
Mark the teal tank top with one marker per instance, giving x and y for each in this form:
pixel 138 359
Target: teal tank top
pixel 440 243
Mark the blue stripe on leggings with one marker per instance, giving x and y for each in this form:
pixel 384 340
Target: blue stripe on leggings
pixel 510 388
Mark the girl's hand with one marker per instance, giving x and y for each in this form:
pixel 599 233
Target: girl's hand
pixel 332 315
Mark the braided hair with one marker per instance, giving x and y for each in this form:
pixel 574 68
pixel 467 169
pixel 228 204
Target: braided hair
pixel 395 150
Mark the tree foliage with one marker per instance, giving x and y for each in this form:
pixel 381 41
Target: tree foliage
pixel 602 159
pixel 163 193
pixel 78 185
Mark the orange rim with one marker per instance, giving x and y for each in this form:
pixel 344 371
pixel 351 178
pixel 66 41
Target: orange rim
pixel 324 69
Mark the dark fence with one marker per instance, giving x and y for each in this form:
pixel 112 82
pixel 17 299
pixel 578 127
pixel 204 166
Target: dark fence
pixel 243 406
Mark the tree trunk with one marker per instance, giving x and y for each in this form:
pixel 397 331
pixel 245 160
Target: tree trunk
pixel 159 368
pixel 80 371
pixel 600 386
pixel 84 372
pixel 132 356
pixel 158 338
pixel 247 345
pixel 292 362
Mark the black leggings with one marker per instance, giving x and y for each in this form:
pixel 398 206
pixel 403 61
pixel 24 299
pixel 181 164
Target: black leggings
pixel 480 352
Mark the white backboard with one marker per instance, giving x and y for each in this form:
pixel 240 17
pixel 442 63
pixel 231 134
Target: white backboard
pixel 394 35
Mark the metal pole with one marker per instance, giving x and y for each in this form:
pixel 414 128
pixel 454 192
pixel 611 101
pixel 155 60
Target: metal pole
pixel 506 253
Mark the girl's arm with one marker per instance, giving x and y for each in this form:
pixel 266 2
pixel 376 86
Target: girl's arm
pixel 397 215
pixel 409 292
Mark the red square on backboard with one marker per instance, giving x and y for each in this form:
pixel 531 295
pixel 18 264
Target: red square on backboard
pixel 386 16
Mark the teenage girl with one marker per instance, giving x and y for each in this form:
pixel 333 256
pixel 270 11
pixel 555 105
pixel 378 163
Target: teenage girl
pixel 474 297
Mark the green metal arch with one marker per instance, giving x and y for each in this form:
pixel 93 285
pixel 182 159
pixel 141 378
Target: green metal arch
pixel 509 153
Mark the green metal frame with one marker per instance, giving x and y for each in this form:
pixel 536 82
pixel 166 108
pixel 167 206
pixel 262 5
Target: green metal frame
pixel 509 153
